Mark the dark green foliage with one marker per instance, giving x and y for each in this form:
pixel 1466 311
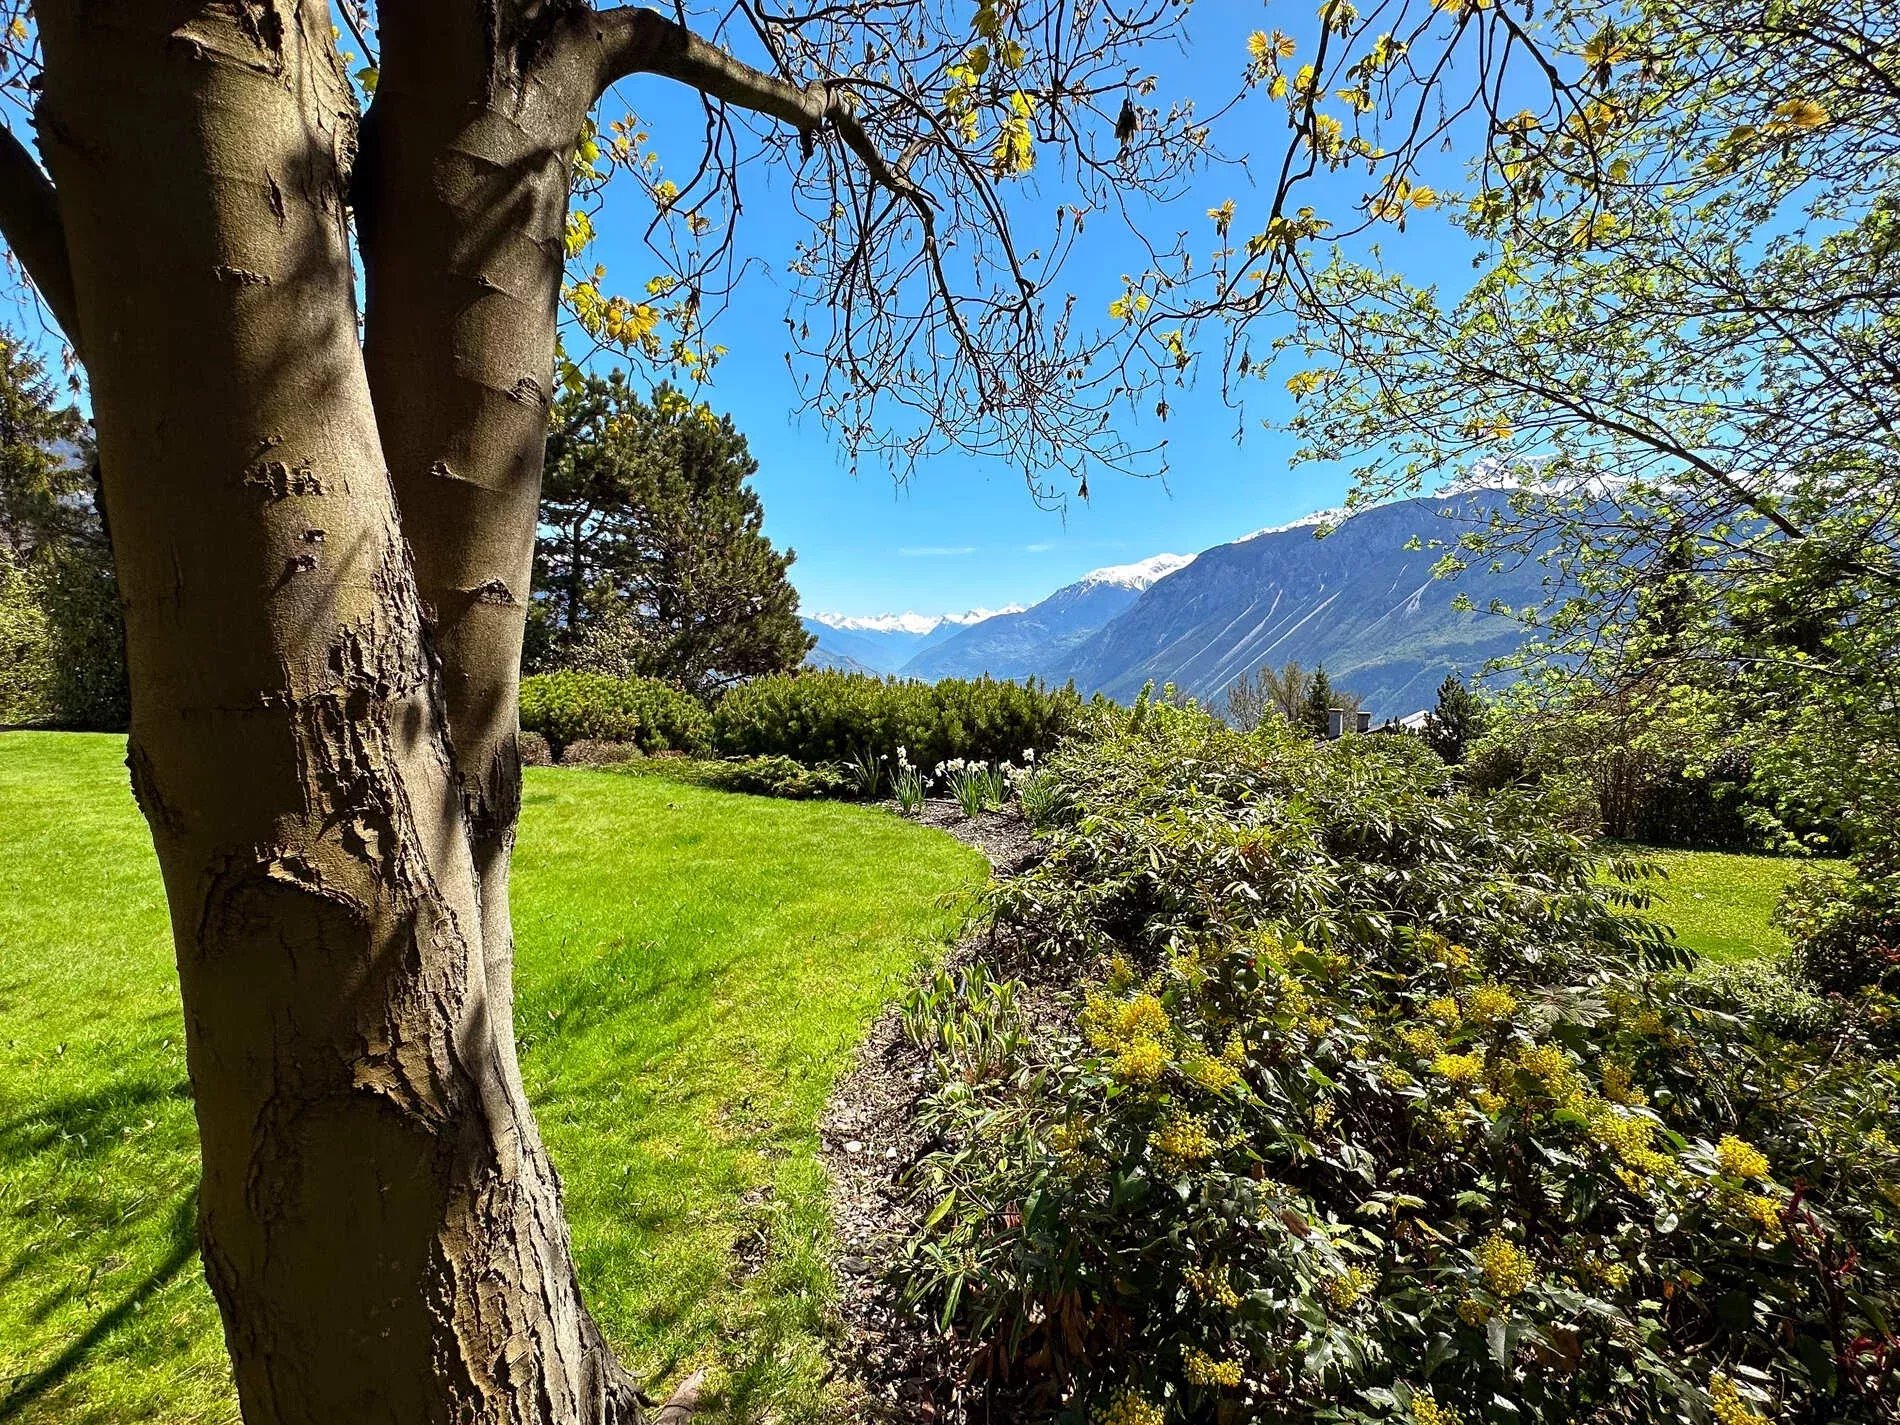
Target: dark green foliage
pixel 1352 1095
pixel 1455 722
pixel 1717 805
pixel 653 561
pixel 1316 713
pixel 62 637
pixel 570 707
pixel 1845 927
pixel 822 716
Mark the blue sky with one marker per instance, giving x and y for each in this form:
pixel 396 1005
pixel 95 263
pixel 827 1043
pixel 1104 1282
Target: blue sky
pixel 964 532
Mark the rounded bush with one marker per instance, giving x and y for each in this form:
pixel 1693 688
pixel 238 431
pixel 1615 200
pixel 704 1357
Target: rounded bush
pixel 654 717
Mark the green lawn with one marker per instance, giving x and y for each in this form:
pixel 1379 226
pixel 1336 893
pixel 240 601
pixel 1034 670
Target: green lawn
pixel 694 970
pixel 1719 902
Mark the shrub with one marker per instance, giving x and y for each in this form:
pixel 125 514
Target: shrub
pixel 62 641
pixel 599 752
pixel 755 776
pixel 1845 926
pixel 533 750
pixel 779 777
pixel 1351 1095
pixel 825 716
pixel 571 707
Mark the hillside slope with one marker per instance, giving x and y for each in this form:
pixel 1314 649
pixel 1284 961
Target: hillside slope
pixel 1357 600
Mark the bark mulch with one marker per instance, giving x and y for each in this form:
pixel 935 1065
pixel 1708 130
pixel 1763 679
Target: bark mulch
pixel 899 1366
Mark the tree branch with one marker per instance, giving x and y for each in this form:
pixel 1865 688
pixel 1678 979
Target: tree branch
pixel 634 40
pixel 30 222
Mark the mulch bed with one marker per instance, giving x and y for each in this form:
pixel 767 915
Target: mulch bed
pixel 901 1368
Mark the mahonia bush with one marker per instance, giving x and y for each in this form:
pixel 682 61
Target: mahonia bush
pixel 1354 1095
pixel 817 717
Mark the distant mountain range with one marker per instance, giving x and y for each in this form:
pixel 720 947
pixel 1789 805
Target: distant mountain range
pixel 1358 600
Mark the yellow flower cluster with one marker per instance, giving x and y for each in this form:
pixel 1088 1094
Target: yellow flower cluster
pixel 1213 1286
pixel 1740 1159
pixel 1421 1041
pixel 1135 1031
pixel 1130 1407
pixel 1554 1073
pixel 1506 1267
pixel 1140 1062
pixel 1595 1269
pixel 1727 1405
pixel 1620 1087
pixel 1459 1068
pixel 1214 1075
pixel 1444 1009
pixel 1489 1004
pixel 1427 1411
pixel 1757 1210
pixel 1344 1290
pixel 1203 1369
pixel 1184 1138
pixel 1629 1136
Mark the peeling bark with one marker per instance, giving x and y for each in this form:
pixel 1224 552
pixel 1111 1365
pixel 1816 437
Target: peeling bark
pixel 381 1227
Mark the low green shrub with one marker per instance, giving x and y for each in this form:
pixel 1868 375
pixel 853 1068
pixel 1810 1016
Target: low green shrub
pixel 755 776
pixel 1354 1096
pixel 817 716
pixel 572 707
pixel 599 752
pixel 533 750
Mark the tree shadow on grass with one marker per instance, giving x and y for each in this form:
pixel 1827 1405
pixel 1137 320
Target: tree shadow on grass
pixel 184 1248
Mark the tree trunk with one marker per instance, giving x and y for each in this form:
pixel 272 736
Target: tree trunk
pixel 381 1228
pixel 463 202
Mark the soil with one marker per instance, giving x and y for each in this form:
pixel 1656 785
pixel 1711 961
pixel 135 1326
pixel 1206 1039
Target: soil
pixel 899 1367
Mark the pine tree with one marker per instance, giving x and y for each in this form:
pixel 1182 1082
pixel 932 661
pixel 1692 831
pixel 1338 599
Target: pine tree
pixel 1456 722
pixel 1319 703
pixel 654 560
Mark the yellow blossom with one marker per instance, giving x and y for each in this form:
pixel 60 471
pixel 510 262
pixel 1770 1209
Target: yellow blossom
pixel 1214 1075
pixel 1740 1159
pixel 1618 1087
pixel 1422 1042
pixel 1459 1068
pixel 1203 1369
pixel 1344 1290
pixel 1129 1407
pixel 1427 1411
pixel 1213 1286
pixel 1489 1004
pixel 1506 1267
pixel 1727 1405
pixel 1184 1138
pixel 1140 1062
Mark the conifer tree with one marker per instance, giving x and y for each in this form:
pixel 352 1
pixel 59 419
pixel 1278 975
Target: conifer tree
pixel 654 559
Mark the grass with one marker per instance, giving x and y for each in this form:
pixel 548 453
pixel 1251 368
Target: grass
pixel 1719 903
pixel 694 969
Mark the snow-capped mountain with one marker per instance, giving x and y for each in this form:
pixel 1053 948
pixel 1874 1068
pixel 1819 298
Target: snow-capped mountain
pixel 883 643
pixel 1362 600
pixel 1358 600
pixel 1024 642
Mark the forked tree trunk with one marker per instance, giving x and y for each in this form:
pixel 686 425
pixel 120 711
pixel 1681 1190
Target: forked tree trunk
pixel 461 200
pixel 381 1228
